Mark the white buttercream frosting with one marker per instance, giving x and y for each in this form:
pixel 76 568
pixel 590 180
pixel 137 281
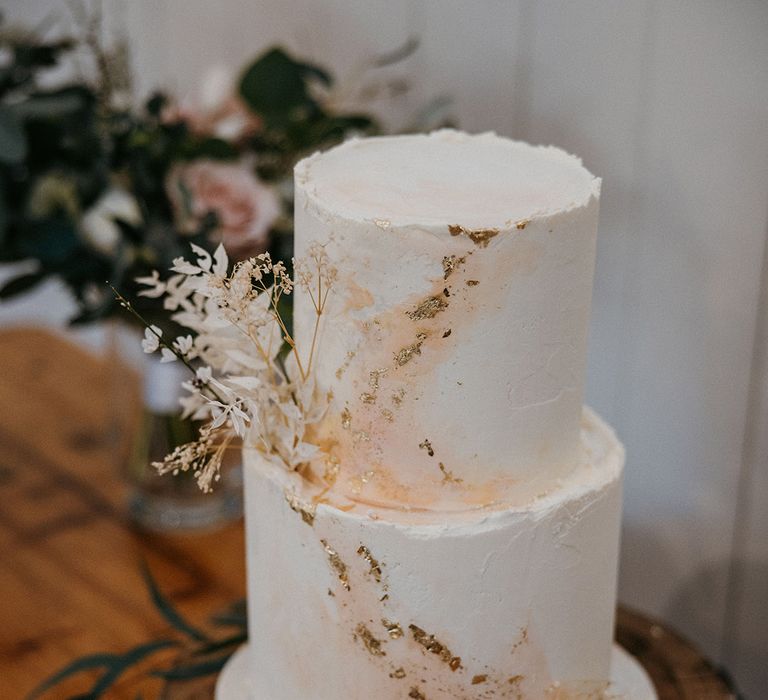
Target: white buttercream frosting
pixel 502 603
pixel 454 340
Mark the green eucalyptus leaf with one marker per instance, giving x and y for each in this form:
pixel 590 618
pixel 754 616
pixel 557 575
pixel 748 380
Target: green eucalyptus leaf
pixel 125 661
pixel 52 105
pixel 276 85
pixel 213 647
pixel 168 611
pixel 203 668
pixel 13 141
pixel 52 241
pixel 21 284
pixel 84 663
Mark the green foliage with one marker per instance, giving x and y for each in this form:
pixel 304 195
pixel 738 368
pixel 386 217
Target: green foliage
pixel 114 665
pixel 169 612
pixel 64 149
pixel 203 655
pixel 277 87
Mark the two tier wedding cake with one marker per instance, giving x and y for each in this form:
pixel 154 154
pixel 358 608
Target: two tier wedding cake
pixel 458 537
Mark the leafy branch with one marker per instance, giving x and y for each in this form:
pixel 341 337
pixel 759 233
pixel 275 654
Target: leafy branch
pixel 204 655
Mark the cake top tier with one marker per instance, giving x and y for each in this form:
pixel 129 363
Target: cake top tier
pixel 453 343
pixel 447 177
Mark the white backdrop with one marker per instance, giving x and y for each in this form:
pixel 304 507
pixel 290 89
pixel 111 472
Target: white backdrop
pixel 668 102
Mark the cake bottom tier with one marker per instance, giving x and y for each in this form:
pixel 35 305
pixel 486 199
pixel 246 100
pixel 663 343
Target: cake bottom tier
pixel 503 602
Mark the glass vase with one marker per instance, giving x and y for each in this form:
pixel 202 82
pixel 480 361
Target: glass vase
pixel 147 425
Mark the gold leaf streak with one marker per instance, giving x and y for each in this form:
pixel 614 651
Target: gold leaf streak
pixel 375 567
pixel 370 642
pixel 431 644
pixel 479 236
pixel 450 264
pixel 428 308
pixel 336 563
pixel 406 354
pixel 393 629
pixel 448 477
pixel 427 445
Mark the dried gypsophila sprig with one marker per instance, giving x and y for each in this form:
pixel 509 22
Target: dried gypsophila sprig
pixel 242 386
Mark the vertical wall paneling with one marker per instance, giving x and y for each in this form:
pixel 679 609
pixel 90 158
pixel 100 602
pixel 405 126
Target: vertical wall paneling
pixel 746 612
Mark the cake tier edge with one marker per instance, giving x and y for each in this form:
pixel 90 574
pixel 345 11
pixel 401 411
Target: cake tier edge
pixel 511 602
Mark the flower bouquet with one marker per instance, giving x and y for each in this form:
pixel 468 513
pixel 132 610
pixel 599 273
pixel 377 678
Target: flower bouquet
pixel 100 194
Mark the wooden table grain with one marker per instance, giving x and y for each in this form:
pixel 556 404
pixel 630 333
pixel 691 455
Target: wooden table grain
pixel 70 581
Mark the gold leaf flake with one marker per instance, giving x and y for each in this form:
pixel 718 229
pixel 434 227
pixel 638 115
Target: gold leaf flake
pixel 305 510
pixel 520 225
pixel 405 355
pixel 332 467
pixel 398 397
pixel 367 397
pixel 360 436
pixel 448 477
pixel 479 236
pixel 416 694
pixel 337 564
pixel 398 673
pixel 374 566
pixel 427 445
pixel 447 333
pixel 346 418
pixel 387 415
pixel 375 376
pixel 370 642
pixel 393 629
pixel 383 224
pixel 433 646
pixel 480 678
pixel 450 264
pixel 428 308
pixel 473 283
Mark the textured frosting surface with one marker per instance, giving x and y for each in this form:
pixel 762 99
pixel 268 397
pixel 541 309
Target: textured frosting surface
pixel 515 602
pixel 454 341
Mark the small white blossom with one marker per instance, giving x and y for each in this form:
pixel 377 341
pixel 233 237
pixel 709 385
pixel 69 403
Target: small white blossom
pixel 167 355
pixel 151 340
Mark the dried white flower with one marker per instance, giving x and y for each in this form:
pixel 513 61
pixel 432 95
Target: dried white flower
pixel 151 341
pixel 241 388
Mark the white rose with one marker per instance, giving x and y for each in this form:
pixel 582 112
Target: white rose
pixel 98 225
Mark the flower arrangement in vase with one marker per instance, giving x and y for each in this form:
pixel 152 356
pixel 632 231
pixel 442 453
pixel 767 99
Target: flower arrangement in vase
pixel 99 193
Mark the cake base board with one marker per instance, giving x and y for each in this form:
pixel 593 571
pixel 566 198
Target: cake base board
pixel 629 681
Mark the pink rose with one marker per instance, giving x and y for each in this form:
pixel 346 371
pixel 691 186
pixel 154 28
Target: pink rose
pixel 244 206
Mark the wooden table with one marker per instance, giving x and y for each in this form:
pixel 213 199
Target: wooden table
pixel 70 583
